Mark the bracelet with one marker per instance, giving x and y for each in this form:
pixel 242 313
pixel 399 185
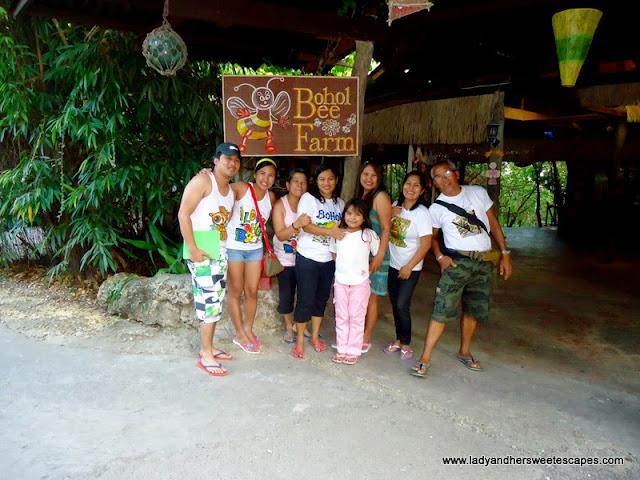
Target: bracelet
pixel 506 252
pixel 439 258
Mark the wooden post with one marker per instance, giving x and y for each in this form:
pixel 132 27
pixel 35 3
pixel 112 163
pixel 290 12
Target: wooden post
pixel 364 54
pixel 497 116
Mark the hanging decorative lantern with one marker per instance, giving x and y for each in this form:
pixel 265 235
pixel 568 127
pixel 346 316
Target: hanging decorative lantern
pixel 402 8
pixel 163 48
pixel 573 30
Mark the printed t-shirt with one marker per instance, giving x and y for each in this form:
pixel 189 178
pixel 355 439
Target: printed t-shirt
pixel 406 230
pixel 327 214
pixel 458 233
pixel 244 227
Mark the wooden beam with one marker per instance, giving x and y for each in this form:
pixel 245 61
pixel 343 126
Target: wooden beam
pixel 288 18
pixel 341 48
pixel 523 115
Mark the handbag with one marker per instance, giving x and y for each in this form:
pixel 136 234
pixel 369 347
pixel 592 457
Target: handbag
pixel 271 266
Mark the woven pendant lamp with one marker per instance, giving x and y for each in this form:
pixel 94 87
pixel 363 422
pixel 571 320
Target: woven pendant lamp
pixel 573 30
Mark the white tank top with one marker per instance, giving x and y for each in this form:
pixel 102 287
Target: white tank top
pixel 286 251
pixel 244 227
pixel 213 212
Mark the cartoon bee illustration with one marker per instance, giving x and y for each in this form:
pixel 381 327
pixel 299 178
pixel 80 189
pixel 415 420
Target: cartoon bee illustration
pixel 256 121
pixel 220 220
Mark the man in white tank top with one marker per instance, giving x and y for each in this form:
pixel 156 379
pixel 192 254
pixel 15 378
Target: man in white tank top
pixel 206 207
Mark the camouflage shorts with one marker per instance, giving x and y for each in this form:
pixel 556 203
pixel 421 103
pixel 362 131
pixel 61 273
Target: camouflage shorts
pixel 468 287
pixel 209 282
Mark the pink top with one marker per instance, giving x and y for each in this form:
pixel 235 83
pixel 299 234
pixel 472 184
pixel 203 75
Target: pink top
pixel 286 251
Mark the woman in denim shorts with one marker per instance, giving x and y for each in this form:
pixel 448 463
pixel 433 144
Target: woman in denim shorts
pixel 245 251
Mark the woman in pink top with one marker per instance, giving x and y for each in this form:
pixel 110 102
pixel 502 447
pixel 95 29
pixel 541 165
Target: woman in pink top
pixel 287 224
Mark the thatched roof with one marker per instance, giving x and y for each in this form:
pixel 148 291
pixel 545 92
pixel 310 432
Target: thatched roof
pixel 610 95
pixel 449 121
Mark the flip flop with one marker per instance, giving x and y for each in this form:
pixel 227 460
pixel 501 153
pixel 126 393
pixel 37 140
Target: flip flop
pixel 350 359
pixel 319 347
pixel 366 347
pixel 308 335
pixel 469 363
pixel 297 353
pixel 213 374
pixel 247 347
pixel 219 356
pixel 392 348
pixel 406 354
pixel 420 366
pixel 338 358
pixel 289 338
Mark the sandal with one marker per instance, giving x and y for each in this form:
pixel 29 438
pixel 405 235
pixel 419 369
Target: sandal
pixel 406 354
pixel 338 358
pixel 416 369
pixel 247 347
pixel 470 363
pixel 366 347
pixel 319 347
pixel 391 348
pixel 350 359
pixel 220 372
pixel 289 337
pixel 297 352
pixel 219 356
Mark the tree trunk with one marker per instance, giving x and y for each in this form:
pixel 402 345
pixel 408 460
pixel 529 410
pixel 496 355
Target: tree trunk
pixel 364 54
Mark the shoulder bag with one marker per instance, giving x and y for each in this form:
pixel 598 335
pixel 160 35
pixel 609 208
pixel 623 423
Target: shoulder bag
pixel 271 266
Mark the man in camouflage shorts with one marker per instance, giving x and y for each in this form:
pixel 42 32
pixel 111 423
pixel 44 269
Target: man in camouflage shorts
pixel 466 217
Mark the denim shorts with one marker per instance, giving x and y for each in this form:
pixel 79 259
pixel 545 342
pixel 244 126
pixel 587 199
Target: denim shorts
pixel 246 256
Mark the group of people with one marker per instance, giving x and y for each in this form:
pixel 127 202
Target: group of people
pixel 364 249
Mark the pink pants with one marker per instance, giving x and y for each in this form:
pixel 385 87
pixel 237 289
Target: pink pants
pixel 351 303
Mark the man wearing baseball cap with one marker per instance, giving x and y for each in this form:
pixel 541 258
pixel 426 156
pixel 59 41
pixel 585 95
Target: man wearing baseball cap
pixel 207 203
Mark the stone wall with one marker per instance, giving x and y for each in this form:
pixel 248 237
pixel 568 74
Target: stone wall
pixel 166 301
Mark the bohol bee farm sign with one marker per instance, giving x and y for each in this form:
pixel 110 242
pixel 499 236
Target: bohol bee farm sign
pixel 282 115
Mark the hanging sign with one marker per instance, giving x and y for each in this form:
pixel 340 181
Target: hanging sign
pixel 291 115
pixel 402 8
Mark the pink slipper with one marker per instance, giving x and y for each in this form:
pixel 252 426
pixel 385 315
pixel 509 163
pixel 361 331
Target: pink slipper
pixel 247 347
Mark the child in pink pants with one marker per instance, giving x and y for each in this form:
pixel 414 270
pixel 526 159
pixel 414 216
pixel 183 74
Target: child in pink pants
pixel 351 288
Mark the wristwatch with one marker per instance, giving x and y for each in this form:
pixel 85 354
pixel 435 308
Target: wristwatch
pixel 506 252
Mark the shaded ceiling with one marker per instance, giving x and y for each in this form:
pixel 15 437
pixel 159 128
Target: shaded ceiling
pixel 460 47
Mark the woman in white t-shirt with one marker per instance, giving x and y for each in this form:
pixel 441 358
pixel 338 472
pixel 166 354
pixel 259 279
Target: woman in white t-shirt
pixel 314 262
pixel 411 231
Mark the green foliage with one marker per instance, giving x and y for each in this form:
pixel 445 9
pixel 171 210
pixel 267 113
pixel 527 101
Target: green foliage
pixel 519 188
pixel 96 147
pixel 393 176
pixel 350 59
pixel 264 69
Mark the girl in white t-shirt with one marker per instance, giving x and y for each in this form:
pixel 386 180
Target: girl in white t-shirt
pixel 411 231
pixel 351 289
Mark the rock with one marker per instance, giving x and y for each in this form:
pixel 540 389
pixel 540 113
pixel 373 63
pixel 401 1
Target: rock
pixel 166 300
